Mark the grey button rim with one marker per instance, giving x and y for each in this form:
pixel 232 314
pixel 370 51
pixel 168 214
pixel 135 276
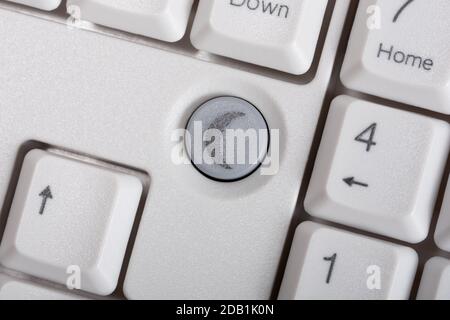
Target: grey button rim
pixel 205 174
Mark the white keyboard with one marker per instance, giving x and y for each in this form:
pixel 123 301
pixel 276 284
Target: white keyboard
pixel 121 172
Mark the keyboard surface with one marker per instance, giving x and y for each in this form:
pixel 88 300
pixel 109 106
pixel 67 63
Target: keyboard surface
pixel 102 194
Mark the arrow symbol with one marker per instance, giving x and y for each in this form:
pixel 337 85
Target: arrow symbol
pixel 45 194
pixel 351 181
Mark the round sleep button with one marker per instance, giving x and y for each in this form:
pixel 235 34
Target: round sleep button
pixel 227 138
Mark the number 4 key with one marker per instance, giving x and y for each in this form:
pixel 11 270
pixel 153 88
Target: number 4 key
pixel 390 186
pixel 367 136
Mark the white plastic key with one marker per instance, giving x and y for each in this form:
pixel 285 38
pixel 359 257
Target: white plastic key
pixel 442 234
pixel 278 35
pixel 17 289
pixel 327 263
pixel 378 169
pixel 400 50
pixel 40 4
pixel 70 220
pixel 160 19
pixel 435 283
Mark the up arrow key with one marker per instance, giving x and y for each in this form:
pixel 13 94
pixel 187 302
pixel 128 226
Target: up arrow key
pixel 45 194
